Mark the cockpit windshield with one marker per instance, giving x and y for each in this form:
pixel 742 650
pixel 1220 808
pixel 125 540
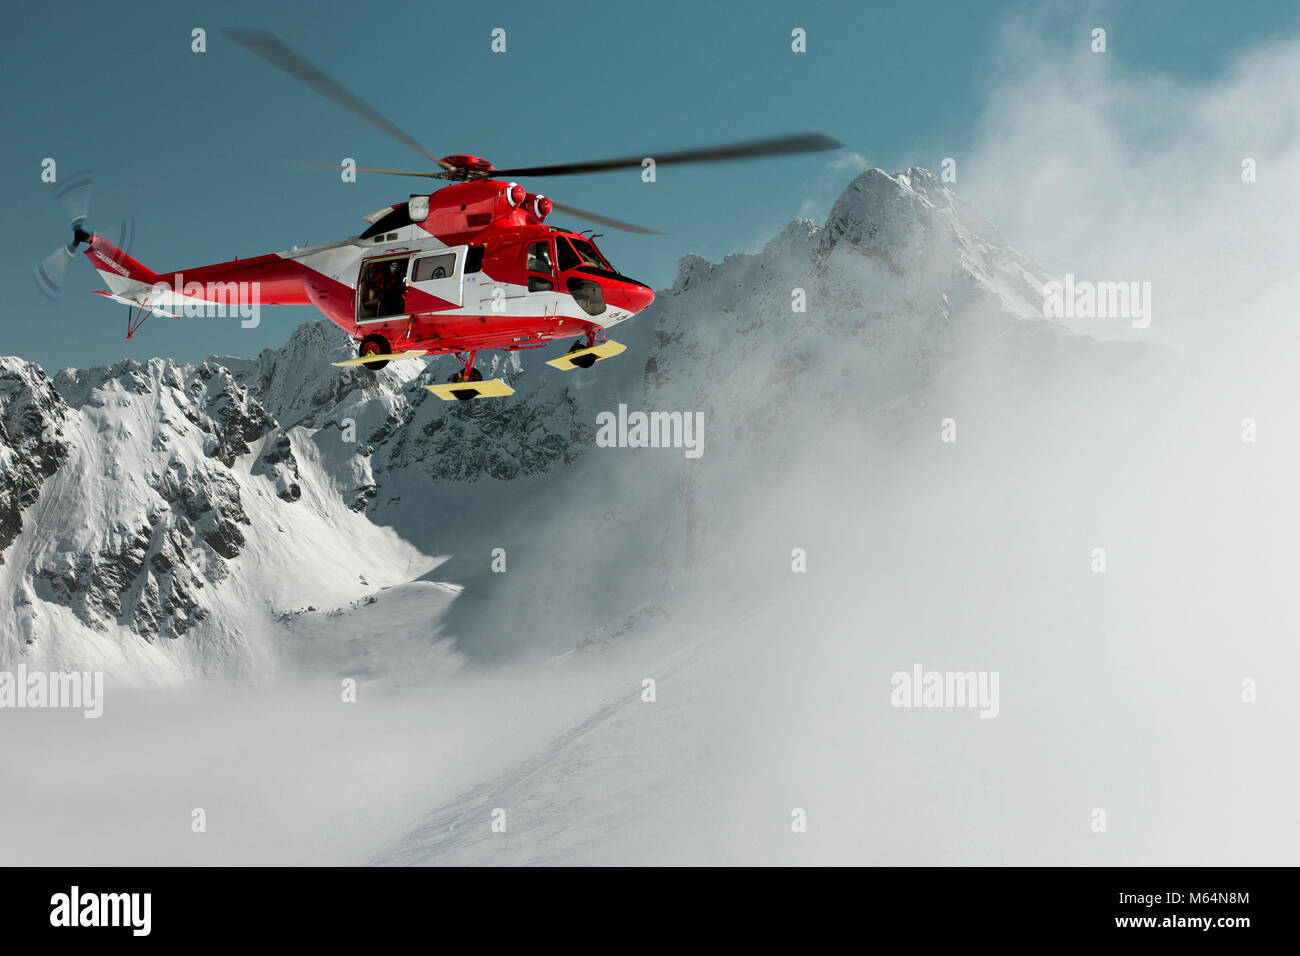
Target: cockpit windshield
pixel 589 254
pixel 582 253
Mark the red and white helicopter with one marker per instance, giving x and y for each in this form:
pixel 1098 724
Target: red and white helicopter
pixel 469 267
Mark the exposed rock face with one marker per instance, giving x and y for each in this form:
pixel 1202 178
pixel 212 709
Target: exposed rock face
pixel 160 458
pixel 32 446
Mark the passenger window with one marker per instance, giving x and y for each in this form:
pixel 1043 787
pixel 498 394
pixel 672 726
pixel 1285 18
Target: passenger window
pixel 435 267
pixel 474 260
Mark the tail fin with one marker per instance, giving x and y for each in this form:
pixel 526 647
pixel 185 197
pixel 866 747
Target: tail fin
pixel 122 274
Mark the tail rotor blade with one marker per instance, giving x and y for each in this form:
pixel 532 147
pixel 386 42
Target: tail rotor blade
pixel 50 271
pixel 73 197
pixel 121 235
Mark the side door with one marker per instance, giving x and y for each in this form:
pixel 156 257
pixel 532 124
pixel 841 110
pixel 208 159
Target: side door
pixel 539 264
pixel 436 281
pixel 381 289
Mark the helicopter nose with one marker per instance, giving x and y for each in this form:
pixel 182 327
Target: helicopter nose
pixel 629 295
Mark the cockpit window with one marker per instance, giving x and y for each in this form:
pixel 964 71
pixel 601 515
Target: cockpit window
pixel 589 254
pixel 539 261
pixel 564 252
pixel 539 257
pixel 574 252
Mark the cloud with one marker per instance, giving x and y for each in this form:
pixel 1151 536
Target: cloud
pixel 1095 165
pixel 824 190
pixel 852 163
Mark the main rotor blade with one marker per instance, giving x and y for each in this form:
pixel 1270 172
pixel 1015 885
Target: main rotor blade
pixel 273 50
pixel 751 149
pixel 372 169
pixel 603 220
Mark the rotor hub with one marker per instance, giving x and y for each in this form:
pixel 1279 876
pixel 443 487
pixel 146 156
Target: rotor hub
pixel 464 166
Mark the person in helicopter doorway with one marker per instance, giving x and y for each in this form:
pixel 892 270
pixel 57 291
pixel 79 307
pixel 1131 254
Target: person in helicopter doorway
pixel 390 289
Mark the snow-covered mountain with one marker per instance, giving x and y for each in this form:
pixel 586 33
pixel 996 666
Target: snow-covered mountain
pixel 162 521
pixel 902 463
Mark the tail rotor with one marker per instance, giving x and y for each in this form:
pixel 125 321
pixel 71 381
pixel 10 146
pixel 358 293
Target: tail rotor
pixel 73 198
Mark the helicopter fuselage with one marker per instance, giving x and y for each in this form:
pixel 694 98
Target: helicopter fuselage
pixel 469 267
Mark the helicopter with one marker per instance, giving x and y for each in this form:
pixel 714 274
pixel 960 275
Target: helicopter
pixel 469 267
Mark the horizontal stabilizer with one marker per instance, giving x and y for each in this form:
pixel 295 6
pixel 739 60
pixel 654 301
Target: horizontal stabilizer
pixel 586 358
pixel 140 302
pixel 463 391
pixel 367 359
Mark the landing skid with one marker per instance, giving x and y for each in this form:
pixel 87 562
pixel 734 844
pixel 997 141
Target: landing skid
pixel 468 383
pixel 586 358
pixel 464 391
pixel 389 357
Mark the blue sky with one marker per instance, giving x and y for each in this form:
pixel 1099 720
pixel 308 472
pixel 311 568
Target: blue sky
pixel 189 144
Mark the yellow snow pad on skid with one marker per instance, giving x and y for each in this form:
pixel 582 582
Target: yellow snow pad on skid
pixel 603 351
pixel 462 391
pixel 367 359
